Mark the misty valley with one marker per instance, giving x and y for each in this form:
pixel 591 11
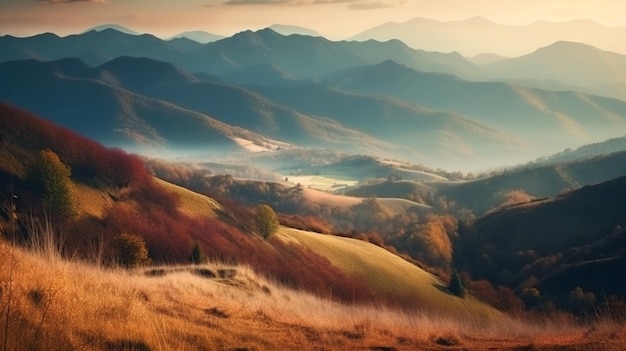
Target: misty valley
pixel 275 189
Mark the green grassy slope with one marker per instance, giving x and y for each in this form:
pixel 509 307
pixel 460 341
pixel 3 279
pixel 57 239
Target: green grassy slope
pixel 388 274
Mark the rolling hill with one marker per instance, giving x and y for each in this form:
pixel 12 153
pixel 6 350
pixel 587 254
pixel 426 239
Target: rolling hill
pixel 112 114
pixel 442 138
pixel 550 120
pixel 183 310
pixel 572 63
pixel 567 232
pixel 535 180
pixel 128 102
pixel 308 116
pixel 587 151
pixel 292 257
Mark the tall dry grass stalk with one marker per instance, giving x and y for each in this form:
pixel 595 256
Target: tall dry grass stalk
pixel 51 303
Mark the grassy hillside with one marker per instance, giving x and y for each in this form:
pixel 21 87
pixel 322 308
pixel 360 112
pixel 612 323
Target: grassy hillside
pixel 521 184
pixel 59 305
pixel 168 218
pixel 389 275
pixel 529 242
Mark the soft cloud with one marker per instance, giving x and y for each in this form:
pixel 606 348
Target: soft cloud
pixel 288 2
pixel 258 2
pixel 54 2
pixel 371 5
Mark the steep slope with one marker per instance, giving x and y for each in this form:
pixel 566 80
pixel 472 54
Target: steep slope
pixel 310 116
pixel 171 218
pixel 111 114
pixel 388 274
pixel 537 238
pixel 571 63
pixel 185 311
pixel 550 120
pixel 237 106
pixel 441 135
pixel 131 108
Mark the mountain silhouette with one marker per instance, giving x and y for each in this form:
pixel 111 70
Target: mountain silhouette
pixel 548 119
pixel 479 35
pixel 572 63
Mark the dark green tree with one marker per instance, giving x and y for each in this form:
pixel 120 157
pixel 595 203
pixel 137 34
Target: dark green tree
pixel 197 254
pixel 131 250
pixel 266 221
pixel 51 177
pixel 456 285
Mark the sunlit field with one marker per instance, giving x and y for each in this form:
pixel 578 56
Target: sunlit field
pixel 51 303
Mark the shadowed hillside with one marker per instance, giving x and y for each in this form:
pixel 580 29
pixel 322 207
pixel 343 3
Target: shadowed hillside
pixel 544 243
pixel 107 110
pixel 133 100
pixel 554 120
pixel 112 194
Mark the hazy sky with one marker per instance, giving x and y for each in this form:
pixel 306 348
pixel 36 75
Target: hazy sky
pixel 336 19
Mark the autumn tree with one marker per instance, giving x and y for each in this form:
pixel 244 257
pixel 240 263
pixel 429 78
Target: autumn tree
pixel 51 177
pixel 131 250
pixel 430 243
pixel 266 221
pixel 197 254
pixel 456 285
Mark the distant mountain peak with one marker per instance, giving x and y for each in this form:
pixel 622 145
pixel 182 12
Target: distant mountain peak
pixel 198 36
pixel 116 27
pixel 142 71
pixel 289 30
pixel 570 46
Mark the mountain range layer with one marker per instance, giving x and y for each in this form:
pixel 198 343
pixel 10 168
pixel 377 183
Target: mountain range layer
pixel 479 35
pixel 371 97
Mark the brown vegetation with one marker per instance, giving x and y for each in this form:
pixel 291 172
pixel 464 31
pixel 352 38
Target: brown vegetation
pixel 47 303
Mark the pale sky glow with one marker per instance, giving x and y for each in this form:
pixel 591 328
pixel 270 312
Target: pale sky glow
pixel 335 19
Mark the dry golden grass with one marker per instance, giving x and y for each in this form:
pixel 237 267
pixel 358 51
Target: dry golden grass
pixel 191 203
pixel 47 303
pixel 389 275
pixel 92 201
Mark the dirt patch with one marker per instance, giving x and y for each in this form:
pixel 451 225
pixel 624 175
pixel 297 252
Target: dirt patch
pixel 216 312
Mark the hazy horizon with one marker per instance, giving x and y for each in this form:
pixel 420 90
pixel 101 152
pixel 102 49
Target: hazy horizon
pixel 334 19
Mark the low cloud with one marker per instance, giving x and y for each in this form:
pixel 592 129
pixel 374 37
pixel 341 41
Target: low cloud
pixel 258 2
pixel 355 4
pixel 370 5
pixel 55 2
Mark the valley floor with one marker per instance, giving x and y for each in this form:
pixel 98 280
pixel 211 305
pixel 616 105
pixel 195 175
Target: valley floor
pixel 47 303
